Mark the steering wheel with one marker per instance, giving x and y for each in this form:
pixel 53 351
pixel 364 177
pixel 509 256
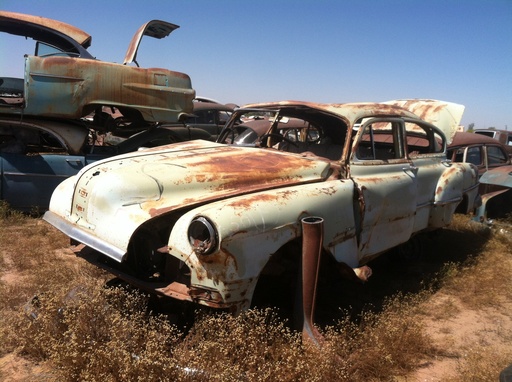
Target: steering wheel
pixel 278 136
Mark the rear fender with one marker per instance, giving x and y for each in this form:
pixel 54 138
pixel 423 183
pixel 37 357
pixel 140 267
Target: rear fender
pixel 457 182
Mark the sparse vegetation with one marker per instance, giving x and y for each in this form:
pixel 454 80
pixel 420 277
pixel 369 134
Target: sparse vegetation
pixel 57 315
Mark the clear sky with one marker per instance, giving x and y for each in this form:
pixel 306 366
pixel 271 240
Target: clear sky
pixel 335 51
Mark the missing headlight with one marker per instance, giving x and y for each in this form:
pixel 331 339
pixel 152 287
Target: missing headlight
pixel 202 236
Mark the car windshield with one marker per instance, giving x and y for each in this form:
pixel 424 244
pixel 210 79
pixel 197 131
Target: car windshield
pixel 249 126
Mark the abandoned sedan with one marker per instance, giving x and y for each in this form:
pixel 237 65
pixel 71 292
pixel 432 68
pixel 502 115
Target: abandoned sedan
pixel 204 222
pixel 63 80
pixel 495 170
pixel 36 155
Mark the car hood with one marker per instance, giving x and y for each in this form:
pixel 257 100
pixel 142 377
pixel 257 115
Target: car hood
pixel 133 188
pixel 154 28
pixel 499 176
pixel 444 115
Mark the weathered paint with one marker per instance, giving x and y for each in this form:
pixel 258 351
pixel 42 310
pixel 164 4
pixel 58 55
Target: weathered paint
pixel 74 87
pixel 255 199
pixel 154 28
pixel 194 181
pixel 20 19
pixel 499 176
pixel 496 192
pixel 70 83
pixel 445 115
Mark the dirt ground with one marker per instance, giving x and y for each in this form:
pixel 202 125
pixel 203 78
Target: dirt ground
pixel 458 333
pixel 462 333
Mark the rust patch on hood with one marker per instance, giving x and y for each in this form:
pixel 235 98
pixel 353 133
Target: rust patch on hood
pixel 191 173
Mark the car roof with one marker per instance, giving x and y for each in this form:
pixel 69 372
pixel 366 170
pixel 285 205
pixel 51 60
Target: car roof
pixel 71 134
pixel 20 24
pixel 351 112
pixel 444 115
pixel 211 106
pixel 466 139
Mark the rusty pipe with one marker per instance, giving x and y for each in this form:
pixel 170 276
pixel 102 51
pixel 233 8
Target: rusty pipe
pixel 312 239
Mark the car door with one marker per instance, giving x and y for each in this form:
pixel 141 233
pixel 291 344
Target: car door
pixel 28 181
pixel 386 183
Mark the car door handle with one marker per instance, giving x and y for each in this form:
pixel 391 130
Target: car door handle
pixel 74 161
pixel 411 168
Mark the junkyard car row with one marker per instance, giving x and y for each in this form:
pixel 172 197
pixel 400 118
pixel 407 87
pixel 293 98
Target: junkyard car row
pixel 221 197
pixel 53 119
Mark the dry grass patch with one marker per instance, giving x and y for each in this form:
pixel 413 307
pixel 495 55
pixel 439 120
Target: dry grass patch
pixel 81 330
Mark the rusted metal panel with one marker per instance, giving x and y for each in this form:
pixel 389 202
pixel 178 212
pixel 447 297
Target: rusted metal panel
pixel 227 172
pixel 67 87
pixel 21 19
pixel 445 115
pixel 154 28
pixel 499 176
pixel 65 81
pixel 224 213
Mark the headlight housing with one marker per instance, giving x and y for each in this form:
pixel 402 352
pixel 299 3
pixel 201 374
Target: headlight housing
pixel 202 236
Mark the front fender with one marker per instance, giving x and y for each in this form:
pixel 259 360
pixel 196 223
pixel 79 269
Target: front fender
pixel 251 228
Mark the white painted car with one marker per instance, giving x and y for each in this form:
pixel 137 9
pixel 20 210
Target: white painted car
pixel 208 223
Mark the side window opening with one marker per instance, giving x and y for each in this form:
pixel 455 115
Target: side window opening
pixel 421 141
pixel 43 49
pixel 474 156
pixel 380 140
pixel 495 155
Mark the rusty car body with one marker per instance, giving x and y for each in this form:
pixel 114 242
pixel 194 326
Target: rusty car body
pixel 54 119
pixel 208 223
pixel 63 80
pixel 503 136
pixel 494 168
pixel 36 155
pixel 209 116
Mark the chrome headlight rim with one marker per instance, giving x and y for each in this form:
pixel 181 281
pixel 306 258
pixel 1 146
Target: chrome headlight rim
pixel 202 236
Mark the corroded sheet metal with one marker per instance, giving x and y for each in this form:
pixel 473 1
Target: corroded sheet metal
pixel 445 115
pixel 499 176
pixel 253 200
pixel 154 28
pixel 140 185
pixel 71 31
pixel 72 88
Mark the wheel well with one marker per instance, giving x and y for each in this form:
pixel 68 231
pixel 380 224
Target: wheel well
pixel 462 207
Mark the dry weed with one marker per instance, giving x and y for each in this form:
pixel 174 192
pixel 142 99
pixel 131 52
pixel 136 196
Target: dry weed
pixel 99 334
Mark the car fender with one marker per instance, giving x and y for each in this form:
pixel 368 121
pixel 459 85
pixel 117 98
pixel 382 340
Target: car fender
pixel 458 180
pixel 251 228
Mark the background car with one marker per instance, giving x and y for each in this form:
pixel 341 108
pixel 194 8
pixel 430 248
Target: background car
pixel 36 155
pixel 209 116
pixel 503 136
pixel 484 152
pixel 64 81
pixel 494 168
